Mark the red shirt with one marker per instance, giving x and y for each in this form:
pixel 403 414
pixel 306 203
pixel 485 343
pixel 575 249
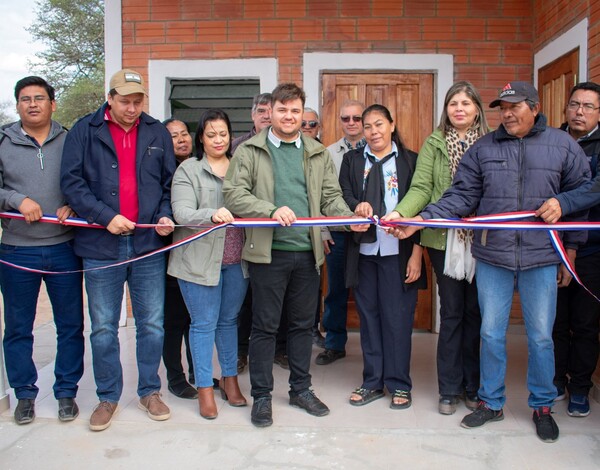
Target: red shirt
pixel 126 146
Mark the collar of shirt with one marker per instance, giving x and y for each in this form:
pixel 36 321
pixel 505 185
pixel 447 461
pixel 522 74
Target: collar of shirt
pixel 108 117
pixel 360 144
pixel 367 150
pixel 585 136
pixel 276 141
pixel 35 142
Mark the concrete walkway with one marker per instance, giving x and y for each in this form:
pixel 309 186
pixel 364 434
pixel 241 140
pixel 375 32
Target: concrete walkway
pixel 349 438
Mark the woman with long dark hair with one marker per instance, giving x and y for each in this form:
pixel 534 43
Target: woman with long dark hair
pixel 462 123
pixel 384 271
pixel 211 274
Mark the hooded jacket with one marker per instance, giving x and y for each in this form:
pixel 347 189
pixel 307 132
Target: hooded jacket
pixel 503 173
pixel 29 172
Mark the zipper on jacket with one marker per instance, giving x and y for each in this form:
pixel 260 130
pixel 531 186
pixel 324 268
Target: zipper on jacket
pixel 520 200
pixel 40 156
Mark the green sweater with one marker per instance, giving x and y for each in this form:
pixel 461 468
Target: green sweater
pixel 290 191
pixel 431 179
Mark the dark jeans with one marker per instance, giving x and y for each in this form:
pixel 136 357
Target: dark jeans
pixel 336 302
pixel 459 339
pixel 20 290
pixel 177 329
pixel 386 314
pixel 289 283
pixel 245 328
pixel 575 330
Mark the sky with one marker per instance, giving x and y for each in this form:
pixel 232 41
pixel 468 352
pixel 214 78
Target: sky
pixel 16 45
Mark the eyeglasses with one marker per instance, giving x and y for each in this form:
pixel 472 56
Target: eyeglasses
pixel 354 118
pixel 587 108
pixel 311 124
pixel 35 99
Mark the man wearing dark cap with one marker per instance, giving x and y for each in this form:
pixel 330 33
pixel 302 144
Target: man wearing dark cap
pixel 116 172
pixel 515 168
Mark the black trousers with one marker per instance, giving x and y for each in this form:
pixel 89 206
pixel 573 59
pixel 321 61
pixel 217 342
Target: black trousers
pixel 245 328
pixel 575 332
pixel 177 327
pixel 459 338
pixel 289 283
pixel 386 315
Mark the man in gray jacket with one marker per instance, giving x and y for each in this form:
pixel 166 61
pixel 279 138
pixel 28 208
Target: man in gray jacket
pixel 30 158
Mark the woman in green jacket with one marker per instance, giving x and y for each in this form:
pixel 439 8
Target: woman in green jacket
pixel 462 123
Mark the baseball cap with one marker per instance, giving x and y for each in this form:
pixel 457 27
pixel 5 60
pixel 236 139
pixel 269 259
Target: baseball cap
pixel 127 82
pixel 515 92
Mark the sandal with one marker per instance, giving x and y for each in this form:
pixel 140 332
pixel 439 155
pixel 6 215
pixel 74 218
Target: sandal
pixel 366 396
pixel 403 395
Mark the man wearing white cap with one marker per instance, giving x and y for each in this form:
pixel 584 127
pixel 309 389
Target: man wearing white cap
pixel 116 171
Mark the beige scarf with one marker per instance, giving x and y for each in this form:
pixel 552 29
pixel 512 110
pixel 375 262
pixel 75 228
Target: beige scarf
pixel 459 263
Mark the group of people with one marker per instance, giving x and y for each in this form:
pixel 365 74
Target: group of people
pixel 253 292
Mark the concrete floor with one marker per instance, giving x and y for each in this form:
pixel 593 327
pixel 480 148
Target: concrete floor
pixel 349 438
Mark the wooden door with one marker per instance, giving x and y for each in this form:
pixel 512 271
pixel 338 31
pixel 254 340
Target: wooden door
pixel 409 97
pixel 555 81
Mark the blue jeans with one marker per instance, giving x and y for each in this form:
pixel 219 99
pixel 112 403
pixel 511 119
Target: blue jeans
pixel 336 302
pixel 20 290
pixel 146 282
pixel 214 311
pixel 537 289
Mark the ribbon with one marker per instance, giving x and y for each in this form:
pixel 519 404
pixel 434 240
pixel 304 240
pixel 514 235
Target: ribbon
pixel 503 221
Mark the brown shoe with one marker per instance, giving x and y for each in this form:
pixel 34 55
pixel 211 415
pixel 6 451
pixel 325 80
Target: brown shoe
pixel 230 391
pixel 155 407
pixel 102 415
pixel 206 402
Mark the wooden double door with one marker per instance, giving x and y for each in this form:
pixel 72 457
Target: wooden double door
pixel 409 97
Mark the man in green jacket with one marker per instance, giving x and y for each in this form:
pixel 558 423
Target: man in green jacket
pixel 282 175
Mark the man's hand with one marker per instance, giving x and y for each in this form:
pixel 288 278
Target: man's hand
pixel 364 209
pixel 550 211
pixel 563 277
pixel 359 227
pixel 285 216
pixel 164 227
pixel 222 215
pixel 31 210
pixel 403 231
pixel 326 244
pixel 120 224
pixel 64 212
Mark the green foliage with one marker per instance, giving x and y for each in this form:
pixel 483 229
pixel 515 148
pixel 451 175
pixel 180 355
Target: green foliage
pixel 73 60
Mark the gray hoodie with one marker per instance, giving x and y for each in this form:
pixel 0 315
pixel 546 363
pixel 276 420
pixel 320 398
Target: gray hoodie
pixel 22 175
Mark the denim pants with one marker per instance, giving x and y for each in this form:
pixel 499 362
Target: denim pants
pixel 214 311
pixel 459 340
pixel 20 290
pixel 537 290
pixel 289 283
pixel 336 302
pixel 146 281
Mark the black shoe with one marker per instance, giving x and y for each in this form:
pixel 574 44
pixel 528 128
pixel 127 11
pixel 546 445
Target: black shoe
pixel 471 400
pixel 25 411
pixel 282 361
pixel 447 404
pixel 328 356
pixel 183 390
pixel 242 362
pixel 67 409
pixel 545 426
pixel 262 412
pixel 481 416
pixel 308 401
pixel 317 338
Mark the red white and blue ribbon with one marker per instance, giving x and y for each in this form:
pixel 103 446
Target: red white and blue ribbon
pixel 504 221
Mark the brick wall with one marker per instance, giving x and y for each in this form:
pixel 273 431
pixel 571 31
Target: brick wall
pixel 492 41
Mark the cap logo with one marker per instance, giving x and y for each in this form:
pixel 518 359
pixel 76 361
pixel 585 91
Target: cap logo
pixel 133 77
